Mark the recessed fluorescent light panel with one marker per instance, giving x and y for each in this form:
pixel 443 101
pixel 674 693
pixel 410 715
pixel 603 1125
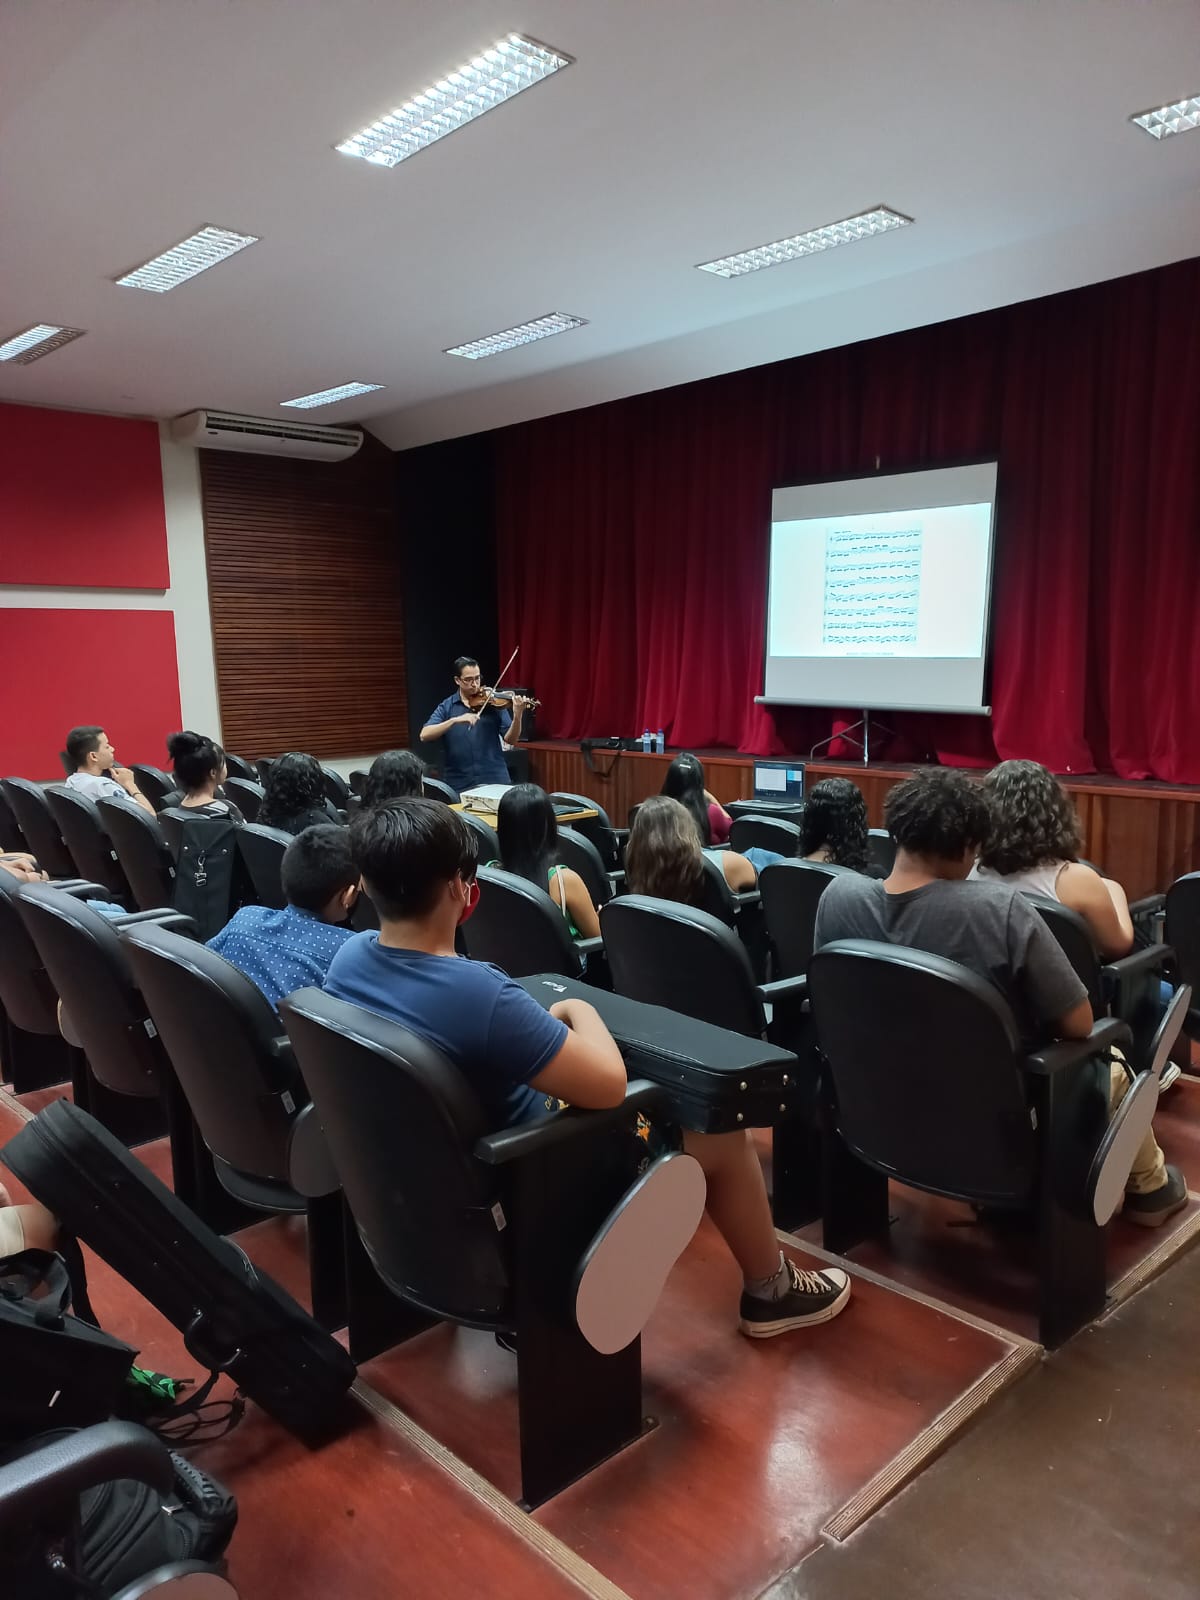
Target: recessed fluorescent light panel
pixel 184 260
pixel 326 397
pixel 1163 121
pixel 524 333
pixel 512 64
pixel 863 226
pixel 37 342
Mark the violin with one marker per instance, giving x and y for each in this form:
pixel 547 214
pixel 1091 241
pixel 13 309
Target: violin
pixel 485 696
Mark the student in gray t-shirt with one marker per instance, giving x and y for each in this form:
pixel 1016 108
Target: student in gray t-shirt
pixel 939 818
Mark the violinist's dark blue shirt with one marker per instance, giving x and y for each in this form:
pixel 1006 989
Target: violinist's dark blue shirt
pixel 471 756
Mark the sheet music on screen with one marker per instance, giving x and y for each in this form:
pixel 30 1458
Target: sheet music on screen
pixel 879 590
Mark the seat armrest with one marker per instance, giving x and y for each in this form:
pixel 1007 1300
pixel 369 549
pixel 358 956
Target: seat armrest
pixel 1153 957
pixel 617 878
pixel 528 1138
pixel 1066 1053
pixel 59 1472
pixel 1148 906
pixel 748 897
pixel 784 990
pixel 311 1171
pixel 81 887
pixel 163 917
pixel 587 947
pixel 620 835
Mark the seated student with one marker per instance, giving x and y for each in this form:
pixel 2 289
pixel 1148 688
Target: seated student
pixel 685 782
pixel 833 827
pixel 939 818
pixel 199 767
pixel 94 772
pixel 294 795
pixel 395 775
pixel 528 832
pixel 282 951
pixel 664 856
pixel 418 861
pixel 21 865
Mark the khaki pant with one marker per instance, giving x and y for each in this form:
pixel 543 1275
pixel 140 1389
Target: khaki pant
pixel 1149 1170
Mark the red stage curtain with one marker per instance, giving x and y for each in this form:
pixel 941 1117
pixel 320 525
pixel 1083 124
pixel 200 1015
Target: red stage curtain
pixel 632 537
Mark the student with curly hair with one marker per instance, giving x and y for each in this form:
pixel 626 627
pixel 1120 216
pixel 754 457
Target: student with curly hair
pixel 939 819
pixel 395 775
pixel 833 827
pixel 294 795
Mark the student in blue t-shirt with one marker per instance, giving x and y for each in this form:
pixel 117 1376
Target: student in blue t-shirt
pixel 418 859
pixel 282 951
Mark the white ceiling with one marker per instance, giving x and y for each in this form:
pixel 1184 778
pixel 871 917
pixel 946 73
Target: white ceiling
pixel 686 129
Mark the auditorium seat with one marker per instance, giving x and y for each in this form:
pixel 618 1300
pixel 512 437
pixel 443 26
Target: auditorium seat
pixel 435 789
pixel 791 892
pixel 237 1072
pixel 246 795
pixel 263 765
pixel 34 1051
pixel 576 850
pixel 141 851
pixel 11 837
pixel 764 833
pixel 337 790
pixel 882 849
pixel 1182 933
pixel 489 842
pixel 895 1027
pixel 155 784
pixel 36 822
pixel 608 840
pixel 237 767
pixel 86 837
pixel 261 850
pixel 500 1231
pixel 518 928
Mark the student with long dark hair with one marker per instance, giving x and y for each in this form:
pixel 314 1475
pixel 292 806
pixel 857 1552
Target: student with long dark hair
pixel 685 782
pixel 294 795
pixel 528 833
pixel 199 767
pixel 664 856
pixel 833 828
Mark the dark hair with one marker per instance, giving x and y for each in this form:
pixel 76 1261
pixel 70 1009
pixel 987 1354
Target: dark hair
pixel 528 832
pixel 663 856
pixel 938 812
pixel 685 782
pixel 463 661
pixel 318 864
pixel 835 818
pixel 407 849
pixel 195 758
pixel 81 742
pixel 292 786
pixel 1033 819
pixel 395 775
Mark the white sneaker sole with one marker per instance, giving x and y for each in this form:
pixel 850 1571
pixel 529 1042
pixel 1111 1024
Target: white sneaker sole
pixel 768 1330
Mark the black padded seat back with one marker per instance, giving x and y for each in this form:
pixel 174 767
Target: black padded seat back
pixel 791 892
pixel 263 765
pixel 358 782
pixel 765 833
pixel 924 1058
pixel 11 837
pixel 1182 930
pixel 435 789
pixel 518 928
pixel 246 795
pixel 882 850
pixel 154 783
pixel 576 850
pixel 95 982
pixel 261 850
pixel 401 1124
pixel 142 852
pixel 489 841
pixel 82 827
pixel 36 822
pixel 237 767
pixel 716 897
pixel 1075 939
pixel 27 994
pixel 227 1047
pixel 683 959
pixel 337 790
pixel 598 828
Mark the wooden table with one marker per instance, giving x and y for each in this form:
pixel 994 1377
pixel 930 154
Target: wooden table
pixel 564 820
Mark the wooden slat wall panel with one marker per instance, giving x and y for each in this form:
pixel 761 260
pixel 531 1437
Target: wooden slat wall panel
pixel 1145 834
pixel 304 588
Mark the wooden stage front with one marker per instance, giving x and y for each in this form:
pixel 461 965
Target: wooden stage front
pixel 1144 834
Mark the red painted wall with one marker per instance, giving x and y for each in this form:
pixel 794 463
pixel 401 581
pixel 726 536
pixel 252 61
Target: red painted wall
pixel 63 668
pixel 81 501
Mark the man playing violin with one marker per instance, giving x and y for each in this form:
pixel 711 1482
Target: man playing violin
pixel 476 727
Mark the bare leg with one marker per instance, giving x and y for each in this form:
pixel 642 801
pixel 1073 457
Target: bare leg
pixel 26 1227
pixel 737 1199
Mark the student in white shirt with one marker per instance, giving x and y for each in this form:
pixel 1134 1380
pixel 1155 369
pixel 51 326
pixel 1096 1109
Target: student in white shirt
pixel 96 773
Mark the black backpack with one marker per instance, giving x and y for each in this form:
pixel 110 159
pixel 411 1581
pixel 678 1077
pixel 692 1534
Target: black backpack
pixel 208 875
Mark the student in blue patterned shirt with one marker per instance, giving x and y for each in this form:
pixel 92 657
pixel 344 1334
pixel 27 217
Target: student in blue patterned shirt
pixel 282 951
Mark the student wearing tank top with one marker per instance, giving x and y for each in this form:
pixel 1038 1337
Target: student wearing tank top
pixel 528 833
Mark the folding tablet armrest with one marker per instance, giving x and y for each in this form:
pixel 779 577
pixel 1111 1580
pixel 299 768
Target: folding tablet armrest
pixel 1066 1053
pixel 587 947
pixel 56 1474
pixel 528 1138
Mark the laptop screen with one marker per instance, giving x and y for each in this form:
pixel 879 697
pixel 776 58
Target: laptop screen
pixel 778 780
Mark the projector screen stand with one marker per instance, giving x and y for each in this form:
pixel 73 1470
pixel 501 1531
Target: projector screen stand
pixel 864 722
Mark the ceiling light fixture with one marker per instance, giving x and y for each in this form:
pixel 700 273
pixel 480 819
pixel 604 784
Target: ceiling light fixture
pixel 185 259
pixel 37 342
pixel 512 64
pixel 326 397
pixel 523 333
pixel 1163 121
pixel 881 220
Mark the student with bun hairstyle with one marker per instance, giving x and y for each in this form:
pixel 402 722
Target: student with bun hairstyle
pixel 199 766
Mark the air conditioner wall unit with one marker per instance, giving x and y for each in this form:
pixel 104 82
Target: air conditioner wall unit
pixel 225 430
